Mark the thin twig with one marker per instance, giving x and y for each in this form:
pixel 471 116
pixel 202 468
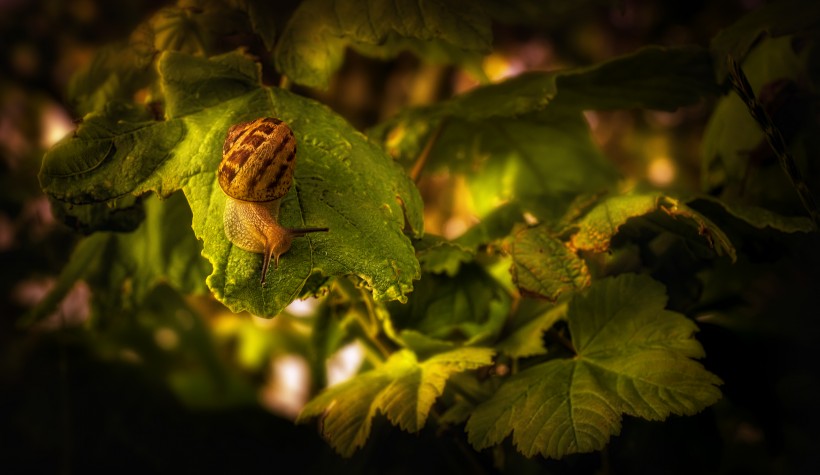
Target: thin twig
pixel 559 338
pixel 421 161
pixel 375 327
pixel 284 82
pixel 740 83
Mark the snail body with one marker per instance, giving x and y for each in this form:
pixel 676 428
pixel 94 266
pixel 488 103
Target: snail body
pixel 256 172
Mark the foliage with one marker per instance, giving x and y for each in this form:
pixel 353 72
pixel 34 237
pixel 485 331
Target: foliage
pixel 572 299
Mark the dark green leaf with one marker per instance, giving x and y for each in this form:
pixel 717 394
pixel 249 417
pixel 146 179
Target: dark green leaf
pixel 437 255
pixel 527 339
pixel 468 308
pixel 161 249
pixel 773 19
pixel 762 218
pixel 650 78
pixel 123 215
pixel 312 45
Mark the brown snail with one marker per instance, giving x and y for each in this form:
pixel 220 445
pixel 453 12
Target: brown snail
pixel 256 172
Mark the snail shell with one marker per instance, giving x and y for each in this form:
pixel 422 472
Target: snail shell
pixel 258 160
pixel 256 172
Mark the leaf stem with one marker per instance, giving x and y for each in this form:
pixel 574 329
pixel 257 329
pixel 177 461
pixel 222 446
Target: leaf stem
pixel 285 82
pixel 375 327
pixel 421 161
pixel 364 316
pixel 740 83
pixel 555 336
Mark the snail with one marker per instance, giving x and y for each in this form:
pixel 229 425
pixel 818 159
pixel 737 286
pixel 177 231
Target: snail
pixel 256 172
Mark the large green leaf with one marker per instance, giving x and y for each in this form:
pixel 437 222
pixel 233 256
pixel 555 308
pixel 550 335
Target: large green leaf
pixel 342 181
pixel 632 357
pixel 403 389
pixel 312 45
pixel 525 138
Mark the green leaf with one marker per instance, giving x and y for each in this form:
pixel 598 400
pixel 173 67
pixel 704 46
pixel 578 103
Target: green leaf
pixel 597 228
pixel 312 45
pixel 125 70
pixel 773 19
pixel 527 339
pixel 131 265
pixel 123 215
pixel 496 225
pixel 439 256
pixel 545 266
pixel 761 218
pixel 263 16
pixel 116 73
pixel 525 139
pixel 468 308
pixel 633 357
pixel 650 78
pixel 541 160
pixel 342 182
pixel 403 389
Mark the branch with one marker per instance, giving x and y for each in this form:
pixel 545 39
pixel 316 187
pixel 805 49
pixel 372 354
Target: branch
pixel 740 83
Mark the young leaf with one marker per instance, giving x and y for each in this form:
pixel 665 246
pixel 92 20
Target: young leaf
pixel 633 357
pixel 403 389
pixel 545 266
pixel 342 181
pixel 312 45
pixel 596 228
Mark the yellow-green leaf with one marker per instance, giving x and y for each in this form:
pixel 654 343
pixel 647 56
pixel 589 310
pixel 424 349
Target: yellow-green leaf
pixel 632 357
pixel 403 389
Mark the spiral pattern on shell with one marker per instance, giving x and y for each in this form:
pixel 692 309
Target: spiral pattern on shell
pixel 258 160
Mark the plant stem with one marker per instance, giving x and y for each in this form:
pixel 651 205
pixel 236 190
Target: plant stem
pixel 284 82
pixel 421 161
pixel 740 83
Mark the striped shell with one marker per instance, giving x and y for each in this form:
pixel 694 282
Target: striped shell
pixel 258 159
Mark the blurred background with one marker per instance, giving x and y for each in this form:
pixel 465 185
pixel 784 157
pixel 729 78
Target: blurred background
pixel 182 384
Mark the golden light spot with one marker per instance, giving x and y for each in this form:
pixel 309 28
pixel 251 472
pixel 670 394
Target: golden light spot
pixel 56 124
pixel 166 338
pixel 303 308
pixel 661 171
